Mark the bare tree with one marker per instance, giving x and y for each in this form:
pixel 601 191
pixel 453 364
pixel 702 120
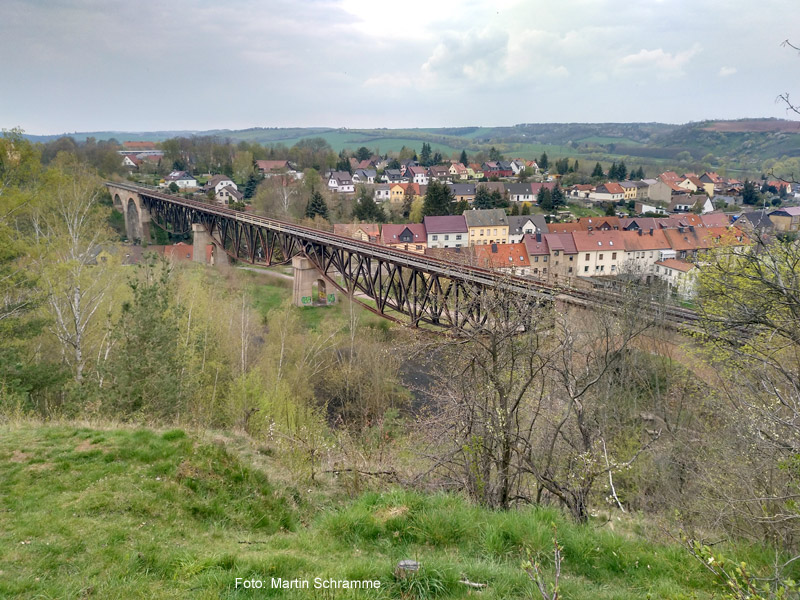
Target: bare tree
pixel 70 230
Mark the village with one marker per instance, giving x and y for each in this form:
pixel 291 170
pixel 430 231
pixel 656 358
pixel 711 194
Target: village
pixel 514 217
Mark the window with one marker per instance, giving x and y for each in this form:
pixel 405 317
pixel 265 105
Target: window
pixel 495 232
pixel 613 268
pixel 544 271
pixel 570 269
pixel 556 253
pixel 434 237
pixel 418 247
pixel 481 231
pixel 600 257
pixel 587 256
pixel 446 237
pixel 535 259
pixel 570 259
pixel 613 256
pixel 586 269
pixel 544 259
pixel 458 237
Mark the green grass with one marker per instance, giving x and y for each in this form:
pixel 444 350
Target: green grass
pixel 134 513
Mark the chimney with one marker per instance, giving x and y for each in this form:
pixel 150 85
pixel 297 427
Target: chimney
pixel 494 248
pixel 538 236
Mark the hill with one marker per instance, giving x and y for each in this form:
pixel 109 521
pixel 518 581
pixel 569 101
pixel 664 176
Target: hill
pixel 119 512
pixel 737 145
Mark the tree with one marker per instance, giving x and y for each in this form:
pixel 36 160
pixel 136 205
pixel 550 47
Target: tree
pixel 622 170
pixel 750 195
pixel 612 172
pixel 366 209
pixel 463 159
pixel 408 200
pixel 250 186
pixel 750 308
pixel 343 164
pixel 545 199
pixel 514 210
pixel 526 208
pixel 598 170
pixel 71 227
pixel 543 162
pixel 610 209
pixel 425 155
pixel 317 206
pixel 173 187
pixel 494 154
pixel 363 153
pixel 483 199
pixel 558 197
pixel 438 199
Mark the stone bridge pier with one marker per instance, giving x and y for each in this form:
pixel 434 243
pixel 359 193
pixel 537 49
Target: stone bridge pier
pixel 137 218
pixel 310 286
pixel 204 249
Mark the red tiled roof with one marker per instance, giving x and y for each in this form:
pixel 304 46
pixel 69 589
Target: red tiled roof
pixel 589 241
pixel 390 233
pixel 501 256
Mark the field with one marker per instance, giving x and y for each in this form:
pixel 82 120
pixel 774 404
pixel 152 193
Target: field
pixel 119 512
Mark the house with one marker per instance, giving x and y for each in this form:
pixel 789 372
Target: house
pixel 217 182
pixel 404 165
pixel 394 176
pixel 684 203
pixel 599 223
pixel 691 183
pixel 518 226
pixel 229 194
pixel 643 248
pixel 418 175
pixel 382 192
pixel 517 166
pixel 366 232
pixel 520 192
pixel 786 219
pixel 477 171
pixel 581 191
pixel 640 208
pixel 177 252
pixel 599 252
pixel 715 219
pixel 538 254
pixel 458 172
pixel 411 237
pixel 487 226
pixel 131 161
pixel 399 191
pixel 341 182
pixel 608 192
pixel 440 172
pixel 448 231
pixel 180 178
pixel 635 190
pixel 756 223
pixel 364 176
pixel 636 223
pixel 269 168
pixel 508 258
pixel 563 255
pixel 492 186
pixel 462 191
pixel 678 275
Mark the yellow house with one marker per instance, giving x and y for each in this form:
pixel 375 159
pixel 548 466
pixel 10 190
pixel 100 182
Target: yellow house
pixel 487 226
pixel 397 192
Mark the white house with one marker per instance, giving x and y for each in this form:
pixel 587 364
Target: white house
pixel 341 182
pixel 180 178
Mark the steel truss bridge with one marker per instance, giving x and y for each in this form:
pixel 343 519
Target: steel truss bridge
pixel 399 285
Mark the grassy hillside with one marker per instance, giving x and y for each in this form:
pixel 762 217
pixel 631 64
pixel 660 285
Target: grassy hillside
pixel 135 513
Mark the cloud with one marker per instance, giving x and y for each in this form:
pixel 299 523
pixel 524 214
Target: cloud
pixel 664 64
pixel 473 56
pixel 727 71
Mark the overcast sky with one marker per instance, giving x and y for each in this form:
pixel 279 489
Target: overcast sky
pixel 140 65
